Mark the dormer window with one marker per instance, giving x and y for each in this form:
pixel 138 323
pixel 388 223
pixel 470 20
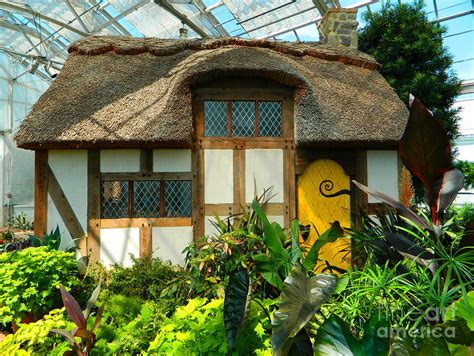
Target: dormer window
pixel 242 118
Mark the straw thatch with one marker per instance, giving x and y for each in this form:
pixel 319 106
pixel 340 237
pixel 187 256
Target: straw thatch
pixel 134 92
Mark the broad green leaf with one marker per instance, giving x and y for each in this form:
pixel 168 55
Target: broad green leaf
pixel 236 304
pixel 463 308
pixel 426 345
pixel 300 299
pixel 331 235
pixel 334 337
pixel 268 270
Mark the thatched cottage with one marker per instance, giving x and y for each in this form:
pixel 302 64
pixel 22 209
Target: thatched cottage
pixel 139 142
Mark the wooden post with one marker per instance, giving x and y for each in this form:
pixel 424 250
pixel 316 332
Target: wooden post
pixel 93 205
pixel 41 192
pixel 146 161
pixel 198 192
pixel 146 240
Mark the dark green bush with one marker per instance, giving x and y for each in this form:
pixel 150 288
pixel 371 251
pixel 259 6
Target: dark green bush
pixel 150 279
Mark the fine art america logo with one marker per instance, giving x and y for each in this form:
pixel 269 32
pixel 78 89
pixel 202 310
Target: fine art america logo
pixel 433 316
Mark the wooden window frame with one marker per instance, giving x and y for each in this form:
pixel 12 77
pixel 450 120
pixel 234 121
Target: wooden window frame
pixel 230 121
pixel 130 221
pixel 285 140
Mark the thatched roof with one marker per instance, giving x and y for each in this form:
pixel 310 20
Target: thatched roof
pixel 115 92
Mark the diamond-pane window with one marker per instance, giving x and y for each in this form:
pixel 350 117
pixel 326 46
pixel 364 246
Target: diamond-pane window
pixel 215 118
pixel 146 199
pixel 114 199
pixel 243 118
pixel 177 198
pixel 270 118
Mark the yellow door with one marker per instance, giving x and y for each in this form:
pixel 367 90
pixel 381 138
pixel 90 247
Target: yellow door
pixel 324 198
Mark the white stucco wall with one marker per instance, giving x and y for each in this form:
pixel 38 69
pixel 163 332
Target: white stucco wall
pixel 382 173
pixel 169 242
pixel 266 167
pixel 172 160
pixel 218 177
pixel 116 245
pixel 115 161
pixel 70 170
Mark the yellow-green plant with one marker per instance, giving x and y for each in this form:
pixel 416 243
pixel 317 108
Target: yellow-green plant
pixel 30 279
pixel 198 329
pixel 34 338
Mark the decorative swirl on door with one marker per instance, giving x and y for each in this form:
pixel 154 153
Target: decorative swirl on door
pixel 328 186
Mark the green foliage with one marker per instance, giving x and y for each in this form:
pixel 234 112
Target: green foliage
pixel 413 60
pixel 34 338
pixel 214 259
pixel 130 325
pixel 467 169
pixel 150 279
pixel 198 329
pixel 30 279
pixel 410 50
pixel 335 338
pixel 462 309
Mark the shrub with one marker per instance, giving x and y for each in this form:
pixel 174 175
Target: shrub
pixel 198 329
pixel 30 279
pixel 130 325
pixel 151 279
pixel 35 337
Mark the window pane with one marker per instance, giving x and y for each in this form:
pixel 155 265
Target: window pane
pixel 114 199
pixel 269 118
pixel 146 199
pixel 243 118
pixel 177 198
pixel 215 118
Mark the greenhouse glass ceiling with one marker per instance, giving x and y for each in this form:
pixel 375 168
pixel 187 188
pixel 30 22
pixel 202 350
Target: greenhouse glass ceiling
pixel 38 32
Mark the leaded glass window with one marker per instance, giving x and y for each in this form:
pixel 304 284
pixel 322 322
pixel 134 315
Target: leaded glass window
pixel 145 199
pixel 242 118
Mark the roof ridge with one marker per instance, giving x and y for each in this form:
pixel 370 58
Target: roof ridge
pixel 97 45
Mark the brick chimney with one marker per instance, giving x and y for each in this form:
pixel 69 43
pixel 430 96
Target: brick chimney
pixel 338 28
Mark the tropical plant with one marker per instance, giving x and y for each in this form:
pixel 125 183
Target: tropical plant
pixel 276 265
pixel 30 279
pixel 300 299
pixel 86 337
pixel 213 259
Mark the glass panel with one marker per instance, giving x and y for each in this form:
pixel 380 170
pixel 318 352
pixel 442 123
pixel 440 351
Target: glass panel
pixel 243 118
pixel 114 199
pixel 177 198
pixel 146 199
pixel 269 119
pixel 215 118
